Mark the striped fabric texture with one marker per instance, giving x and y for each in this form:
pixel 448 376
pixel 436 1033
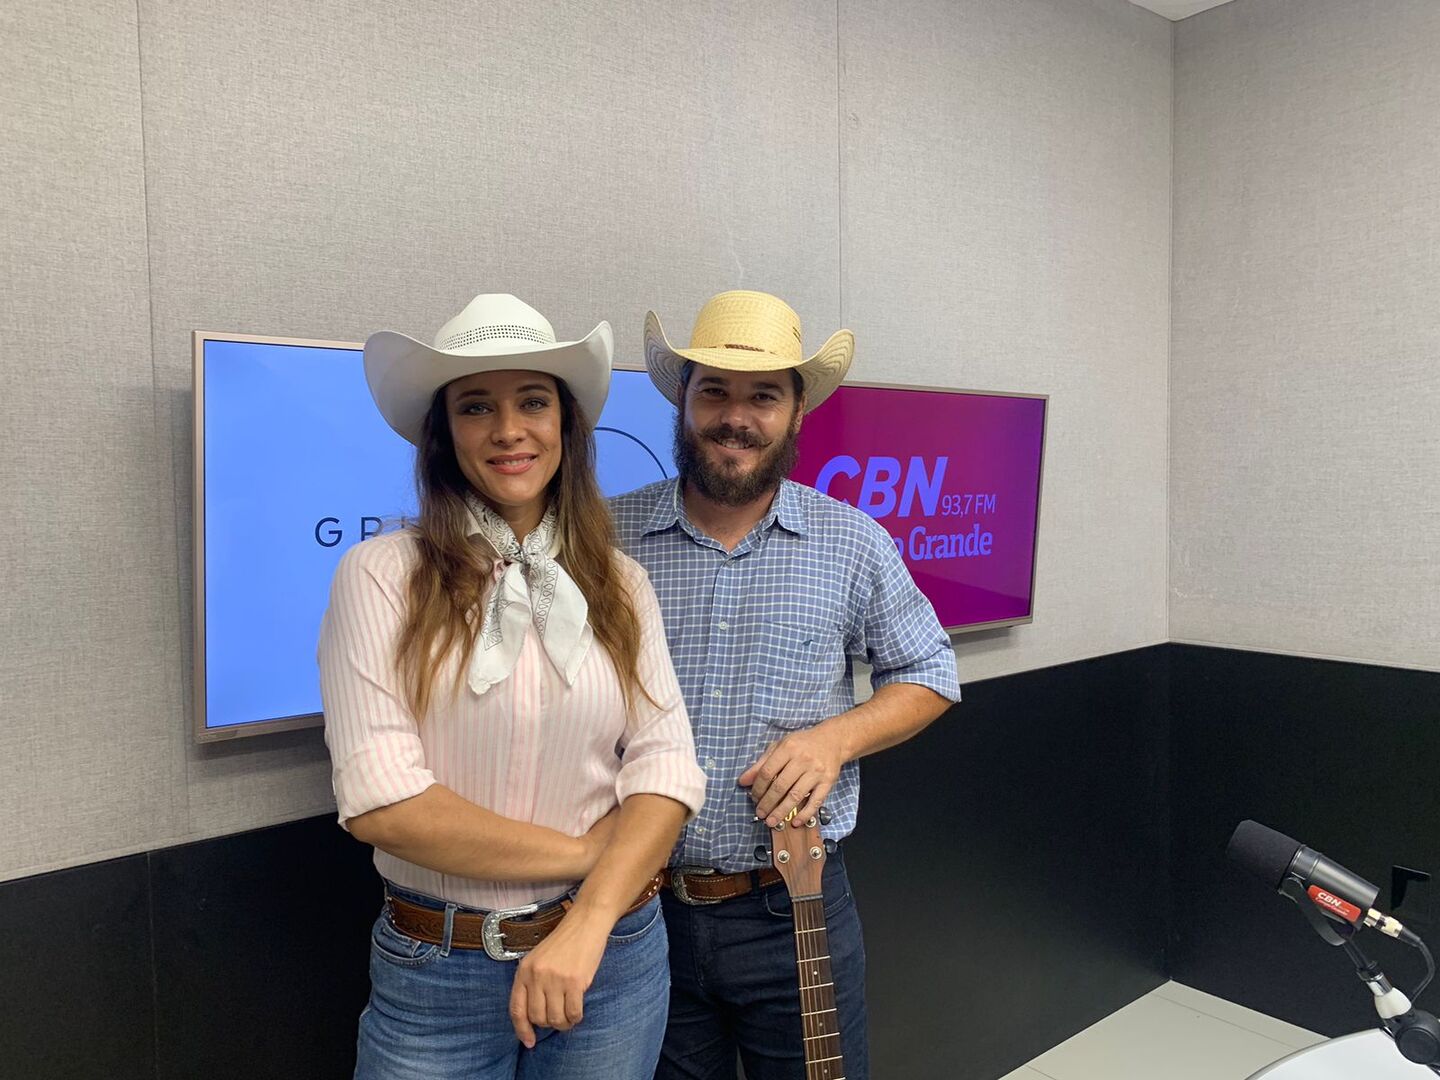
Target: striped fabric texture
pixel 529 748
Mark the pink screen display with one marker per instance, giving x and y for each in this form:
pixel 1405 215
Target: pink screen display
pixel 953 477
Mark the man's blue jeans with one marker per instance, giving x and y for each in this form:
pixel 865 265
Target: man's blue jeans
pixel 733 985
pixel 438 1013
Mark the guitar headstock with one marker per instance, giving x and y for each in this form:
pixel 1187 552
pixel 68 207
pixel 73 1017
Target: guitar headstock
pixel 799 855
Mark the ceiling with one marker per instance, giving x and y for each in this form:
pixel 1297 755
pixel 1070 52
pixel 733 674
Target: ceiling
pixel 1179 9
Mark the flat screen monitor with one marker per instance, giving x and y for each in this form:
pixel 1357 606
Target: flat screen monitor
pixel 954 478
pixel 293 465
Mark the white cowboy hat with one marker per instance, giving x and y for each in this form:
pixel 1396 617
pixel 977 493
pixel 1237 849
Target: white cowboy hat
pixel 495 332
pixel 748 331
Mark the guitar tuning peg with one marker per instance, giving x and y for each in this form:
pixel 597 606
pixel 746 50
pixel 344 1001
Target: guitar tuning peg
pixel 762 853
pixel 824 815
pixel 831 847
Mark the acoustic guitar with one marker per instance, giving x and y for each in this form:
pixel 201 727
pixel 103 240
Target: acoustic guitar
pixel 799 856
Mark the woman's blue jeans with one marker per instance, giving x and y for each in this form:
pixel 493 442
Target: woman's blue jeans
pixel 438 1013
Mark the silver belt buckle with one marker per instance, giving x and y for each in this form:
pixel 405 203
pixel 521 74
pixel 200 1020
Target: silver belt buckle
pixel 677 885
pixel 494 938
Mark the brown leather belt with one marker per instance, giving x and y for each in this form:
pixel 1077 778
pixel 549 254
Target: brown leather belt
pixel 506 934
pixel 698 885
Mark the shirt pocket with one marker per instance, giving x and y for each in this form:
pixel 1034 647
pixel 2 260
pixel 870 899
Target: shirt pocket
pixel 797 665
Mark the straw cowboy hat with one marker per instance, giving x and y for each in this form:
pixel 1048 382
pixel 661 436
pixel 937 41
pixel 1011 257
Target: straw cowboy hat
pixel 495 332
pixel 748 331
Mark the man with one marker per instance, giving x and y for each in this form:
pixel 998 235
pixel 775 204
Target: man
pixel 768 589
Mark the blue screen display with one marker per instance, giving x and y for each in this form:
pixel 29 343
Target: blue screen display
pixel 297 466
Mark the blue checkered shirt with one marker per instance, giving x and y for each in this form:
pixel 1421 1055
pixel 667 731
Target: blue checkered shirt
pixel 763 637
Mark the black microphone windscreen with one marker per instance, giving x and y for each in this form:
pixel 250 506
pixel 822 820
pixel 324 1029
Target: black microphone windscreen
pixel 1262 851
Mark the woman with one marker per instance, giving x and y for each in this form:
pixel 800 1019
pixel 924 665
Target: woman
pixel 504 723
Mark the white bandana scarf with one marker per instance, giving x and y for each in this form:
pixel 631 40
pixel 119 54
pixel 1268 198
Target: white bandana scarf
pixel 533 589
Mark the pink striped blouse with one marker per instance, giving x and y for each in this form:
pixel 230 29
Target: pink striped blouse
pixel 530 748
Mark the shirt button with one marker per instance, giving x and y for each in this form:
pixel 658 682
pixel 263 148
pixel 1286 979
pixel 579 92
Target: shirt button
pixel 709 763
pixel 715 693
pixel 700 829
pixel 722 625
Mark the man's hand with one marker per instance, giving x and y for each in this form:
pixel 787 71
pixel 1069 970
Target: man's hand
pixel 551 980
pixel 798 771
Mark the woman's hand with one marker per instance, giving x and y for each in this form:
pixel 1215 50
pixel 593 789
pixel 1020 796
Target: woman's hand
pixel 552 978
pixel 551 981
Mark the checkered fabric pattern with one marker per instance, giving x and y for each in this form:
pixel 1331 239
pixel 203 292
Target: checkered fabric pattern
pixel 763 639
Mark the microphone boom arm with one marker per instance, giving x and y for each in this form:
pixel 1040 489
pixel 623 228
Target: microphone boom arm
pixel 1408 1026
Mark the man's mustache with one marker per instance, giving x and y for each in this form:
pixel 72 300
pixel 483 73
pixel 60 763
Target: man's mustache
pixel 725 432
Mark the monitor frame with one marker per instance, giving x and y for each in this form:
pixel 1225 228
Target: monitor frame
pixel 993 624
pixel 202 732
pixel 205 734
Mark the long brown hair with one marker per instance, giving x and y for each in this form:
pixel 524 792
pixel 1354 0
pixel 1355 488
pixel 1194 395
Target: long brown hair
pixel 446 590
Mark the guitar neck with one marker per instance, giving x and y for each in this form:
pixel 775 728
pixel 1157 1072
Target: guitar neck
pixel 819 1020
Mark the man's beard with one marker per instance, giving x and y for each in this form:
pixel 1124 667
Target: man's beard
pixel 723 485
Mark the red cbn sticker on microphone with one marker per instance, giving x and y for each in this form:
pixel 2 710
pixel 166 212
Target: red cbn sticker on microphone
pixel 1332 903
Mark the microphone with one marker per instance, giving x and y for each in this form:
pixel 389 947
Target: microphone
pixel 1338 893
pixel 1344 897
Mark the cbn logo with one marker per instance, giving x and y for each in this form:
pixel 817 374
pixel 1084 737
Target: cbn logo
pixel 882 475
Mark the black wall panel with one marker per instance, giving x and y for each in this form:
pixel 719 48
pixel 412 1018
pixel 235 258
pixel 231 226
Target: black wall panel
pixel 1010 866
pixel 261 951
pixel 1342 757
pixel 1045 853
pixel 76 981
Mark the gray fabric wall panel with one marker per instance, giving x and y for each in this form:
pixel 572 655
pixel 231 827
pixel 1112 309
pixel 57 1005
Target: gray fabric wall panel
pixel 1006 180
pixel 326 170
pixel 1306 397
pixel 88 675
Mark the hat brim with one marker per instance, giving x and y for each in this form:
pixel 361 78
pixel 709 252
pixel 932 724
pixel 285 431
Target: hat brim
pixel 404 374
pixel 821 373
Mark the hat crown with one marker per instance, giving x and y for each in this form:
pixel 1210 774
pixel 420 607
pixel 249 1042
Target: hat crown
pixel 492 318
pixel 749 322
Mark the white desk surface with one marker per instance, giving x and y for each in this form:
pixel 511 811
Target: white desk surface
pixel 1366 1055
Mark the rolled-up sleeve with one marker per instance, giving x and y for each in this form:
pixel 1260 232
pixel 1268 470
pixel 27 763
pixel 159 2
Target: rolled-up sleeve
pixel 903 640
pixel 375 750
pixel 658 750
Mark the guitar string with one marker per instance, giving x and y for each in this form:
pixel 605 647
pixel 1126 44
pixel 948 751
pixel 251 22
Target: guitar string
pixel 811 913
pixel 804 958
pixel 812 949
pixel 800 915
